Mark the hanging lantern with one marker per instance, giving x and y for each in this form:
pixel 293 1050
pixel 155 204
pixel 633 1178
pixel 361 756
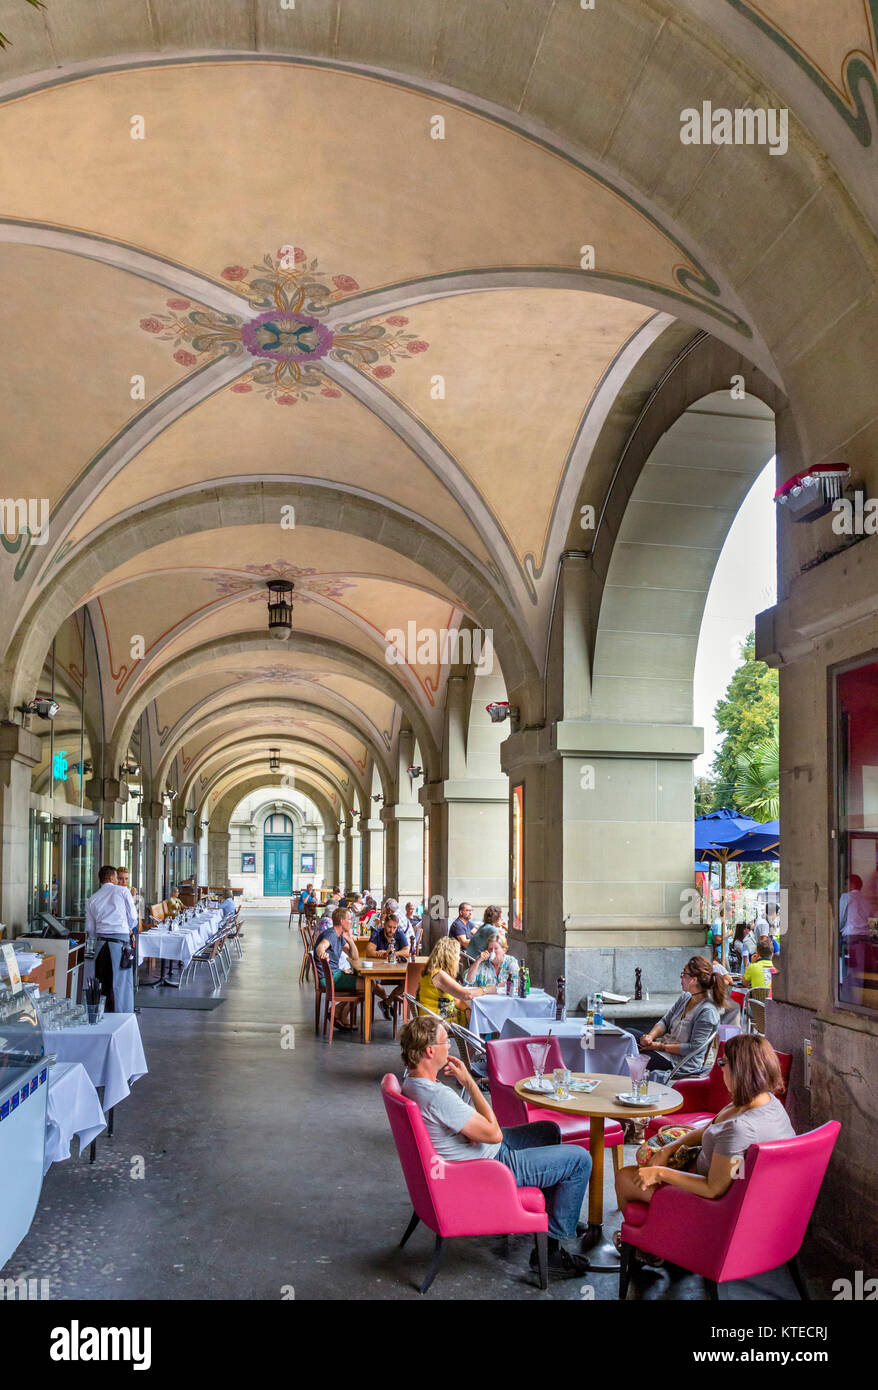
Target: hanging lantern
pixel 274 760
pixel 280 608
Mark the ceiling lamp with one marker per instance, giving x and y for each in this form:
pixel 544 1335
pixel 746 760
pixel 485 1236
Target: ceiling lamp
pixel 274 760
pixel 280 608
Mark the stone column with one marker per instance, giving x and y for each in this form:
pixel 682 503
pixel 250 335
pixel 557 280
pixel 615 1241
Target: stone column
pixel 179 827
pixel 404 852
pixel 108 797
pixel 608 846
pixel 469 842
pixel 218 842
pixel 372 876
pixel 19 753
pixel 341 864
pixel 354 878
pixel 152 819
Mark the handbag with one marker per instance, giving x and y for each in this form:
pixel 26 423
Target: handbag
pixel 683 1159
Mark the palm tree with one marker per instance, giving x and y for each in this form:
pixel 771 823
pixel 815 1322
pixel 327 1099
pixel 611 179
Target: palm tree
pixel 38 5
pixel 758 785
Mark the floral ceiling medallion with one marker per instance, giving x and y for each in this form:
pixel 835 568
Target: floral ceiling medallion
pixel 286 337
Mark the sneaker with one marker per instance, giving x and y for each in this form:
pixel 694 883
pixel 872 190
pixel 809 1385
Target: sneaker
pixel 385 1009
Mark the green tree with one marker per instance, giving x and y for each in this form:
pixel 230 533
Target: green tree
pixel 758 788
pixel 747 715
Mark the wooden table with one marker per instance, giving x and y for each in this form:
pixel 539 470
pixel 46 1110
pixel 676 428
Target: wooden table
pixel 600 1105
pixel 378 970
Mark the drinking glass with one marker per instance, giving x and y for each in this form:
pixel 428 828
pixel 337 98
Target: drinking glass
pixel 637 1066
pixel 589 1011
pixel 562 1082
pixel 538 1053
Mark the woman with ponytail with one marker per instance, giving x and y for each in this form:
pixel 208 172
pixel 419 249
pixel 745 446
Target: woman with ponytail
pixel 686 1029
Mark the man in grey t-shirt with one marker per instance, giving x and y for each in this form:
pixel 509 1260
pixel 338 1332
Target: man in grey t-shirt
pixel 461 1132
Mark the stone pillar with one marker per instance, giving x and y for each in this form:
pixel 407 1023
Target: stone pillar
pixel 341 865
pixel 330 859
pixel 19 753
pixel 608 845
pixel 218 842
pixel 372 875
pixel 469 842
pixel 152 819
pixel 179 827
pixel 354 878
pixel 108 797
pixel 404 852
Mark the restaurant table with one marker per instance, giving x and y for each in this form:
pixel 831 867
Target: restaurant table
pixel 111 1052
pixel 600 1105
pixel 378 970
pixel 73 1107
pixel 490 1011
pixel 607 1056
pixel 181 944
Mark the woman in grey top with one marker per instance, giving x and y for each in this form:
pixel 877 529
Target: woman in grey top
pixel 754 1115
pixel 686 1029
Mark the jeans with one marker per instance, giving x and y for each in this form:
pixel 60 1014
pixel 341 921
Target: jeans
pixel 537 1158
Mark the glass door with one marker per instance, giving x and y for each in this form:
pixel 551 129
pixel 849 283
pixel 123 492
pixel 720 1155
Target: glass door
pixel 82 847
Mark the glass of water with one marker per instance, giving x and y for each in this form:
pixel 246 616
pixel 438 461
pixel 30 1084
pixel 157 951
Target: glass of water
pixel 561 1076
pixel 637 1066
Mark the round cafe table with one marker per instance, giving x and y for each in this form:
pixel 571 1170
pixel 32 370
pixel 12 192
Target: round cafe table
pixel 600 1105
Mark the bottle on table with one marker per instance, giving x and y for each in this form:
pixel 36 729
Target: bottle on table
pixel 638 986
pixel 598 1010
pixel 510 985
pixel 526 981
pixel 521 974
pixel 561 1000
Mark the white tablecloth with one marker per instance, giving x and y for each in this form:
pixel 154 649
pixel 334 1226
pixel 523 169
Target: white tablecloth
pixel 179 944
pixel 111 1052
pixel 607 1056
pixel 490 1011
pixel 73 1107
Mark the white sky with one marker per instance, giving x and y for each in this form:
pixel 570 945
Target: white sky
pixel 744 582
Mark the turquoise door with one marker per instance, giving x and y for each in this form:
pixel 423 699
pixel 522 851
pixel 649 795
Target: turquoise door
pixel 277 875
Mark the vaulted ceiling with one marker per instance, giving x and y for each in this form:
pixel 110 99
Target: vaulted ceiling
pixel 346 294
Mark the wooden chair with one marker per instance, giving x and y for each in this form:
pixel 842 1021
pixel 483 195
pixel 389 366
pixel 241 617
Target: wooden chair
pixel 157 910
pixel 331 1003
pixel 307 963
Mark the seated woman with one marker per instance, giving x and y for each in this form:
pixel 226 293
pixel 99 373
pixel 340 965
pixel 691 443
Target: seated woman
pixel 439 989
pixel 754 1115
pixel 493 924
pixel 493 966
pixel 686 1029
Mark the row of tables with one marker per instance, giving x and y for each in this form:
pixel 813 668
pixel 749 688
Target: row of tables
pixel 108 1057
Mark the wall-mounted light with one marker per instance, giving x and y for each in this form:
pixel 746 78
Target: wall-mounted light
pixel 274 760
pixel 377 798
pixel 280 608
pixel 500 710
pixel 414 772
pixel 46 709
pixel 129 770
pixel 171 793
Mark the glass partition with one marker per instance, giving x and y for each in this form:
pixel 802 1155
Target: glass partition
pixel 82 843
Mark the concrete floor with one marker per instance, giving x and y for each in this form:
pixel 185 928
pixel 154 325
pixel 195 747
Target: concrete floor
pixel 267 1169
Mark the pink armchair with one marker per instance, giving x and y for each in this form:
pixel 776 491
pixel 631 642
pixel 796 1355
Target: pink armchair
pixel 509 1061
pixel 706 1096
pixel 759 1224
pixel 475 1198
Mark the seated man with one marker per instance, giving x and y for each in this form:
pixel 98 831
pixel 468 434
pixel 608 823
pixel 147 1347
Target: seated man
pixel 461 926
pixel 337 942
pixel 459 1132
pixel 227 906
pixel 760 970
pixel 386 938
pixel 493 966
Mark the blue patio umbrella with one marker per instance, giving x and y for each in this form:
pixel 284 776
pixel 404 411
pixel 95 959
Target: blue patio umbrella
pixel 724 835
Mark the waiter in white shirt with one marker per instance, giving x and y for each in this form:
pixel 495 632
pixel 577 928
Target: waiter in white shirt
pixel 111 917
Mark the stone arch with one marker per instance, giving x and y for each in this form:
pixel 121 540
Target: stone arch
pixel 312 770
pixel 209 509
pixel 244 746
pixel 222 813
pixel 380 675
pixel 249 707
